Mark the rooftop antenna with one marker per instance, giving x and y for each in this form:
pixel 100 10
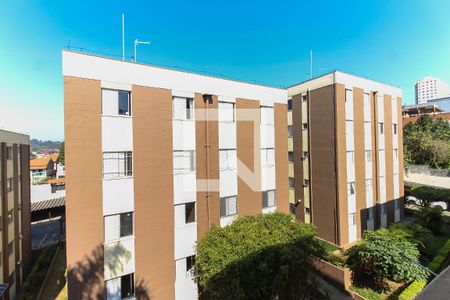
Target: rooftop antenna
pixel 310 64
pixel 136 43
pixel 123 36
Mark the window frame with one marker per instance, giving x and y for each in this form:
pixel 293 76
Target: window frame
pixel 128 113
pixel 225 207
pixel 193 212
pixel 265 199
pixel 126 159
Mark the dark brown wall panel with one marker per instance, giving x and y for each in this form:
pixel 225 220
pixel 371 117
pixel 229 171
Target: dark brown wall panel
pixel 84 212
pixel 400 155
pixel 26 208
pixel 298 162
pixel 323 161
pixel 208 204
pixel 16 213
pixel 247 134
pixel 360 159
pixel 153 192
pixel 281 157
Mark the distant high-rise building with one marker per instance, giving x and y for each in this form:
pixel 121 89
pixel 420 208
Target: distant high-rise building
pixel 430 88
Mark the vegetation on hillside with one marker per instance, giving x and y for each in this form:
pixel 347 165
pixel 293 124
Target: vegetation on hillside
pixel 427 142
pixel 38 145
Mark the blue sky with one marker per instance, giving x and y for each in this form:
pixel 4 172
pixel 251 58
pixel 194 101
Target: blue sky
pixel 397 42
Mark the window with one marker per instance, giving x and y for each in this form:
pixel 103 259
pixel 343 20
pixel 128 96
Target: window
pixel 268 157
pixel 126 224
pixel 351 157
pixel 289 103
pixel 268 198
pixel 11 248
pixel 190 263
pixel 305 155
pixel 291 209
pixel 307 210
pixel 189 212
pixel 184 161
pixel 228 206
pixel 350 188
pixel 226 112
pixel 183 108
pixel 352 219
pixel 368 156
pixel 117 165
pixel 290 128
pixel 370 213
pixel 118 226
pixel 304 98
pixel 381 128
pixel 9 185
pixel 291 182
pixel 305 183
pixel 9 153
pixel 227 159
pixel 397 204
pixel 291 156
pixel 305 126
pixel 124 103
pixel 395 153
pixel 383 208
pixel 10 216
pixel 394 128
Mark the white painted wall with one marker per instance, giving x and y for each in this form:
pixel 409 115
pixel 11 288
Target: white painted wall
pixel 228 183
pixel 183 135
pixel 112 70
pixel 227 135
pixel 382 195
pixel 185 238
pixel 225 221
pixel 119 258
pixel 117 133
pixel 349 136
pixel 185 287
pixel 184 188
pixel 118 196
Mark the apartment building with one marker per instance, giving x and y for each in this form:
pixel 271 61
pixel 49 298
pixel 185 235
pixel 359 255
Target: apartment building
pixel 346 155
pixel 430 88
pixel 153 158
pixel 15 226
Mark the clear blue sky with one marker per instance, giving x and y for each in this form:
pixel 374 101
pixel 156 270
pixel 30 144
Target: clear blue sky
pixel 397 42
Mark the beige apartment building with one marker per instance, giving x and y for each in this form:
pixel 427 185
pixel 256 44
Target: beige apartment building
pixel 154 157
pixel 345 155
pixel 15 226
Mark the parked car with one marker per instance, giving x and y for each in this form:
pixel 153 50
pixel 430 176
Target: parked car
pixel 415 201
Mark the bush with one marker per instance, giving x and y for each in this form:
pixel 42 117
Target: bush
pixel 440 257
pixel 431 218
pixel 382 254
pixel 412 290
pixel 258 257
pixel 367 293
pixel 37 274
pixel 428 194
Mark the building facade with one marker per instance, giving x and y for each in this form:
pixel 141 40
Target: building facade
pixel 15 255
pixel 347 155
pixel 430 88
pixel 153 158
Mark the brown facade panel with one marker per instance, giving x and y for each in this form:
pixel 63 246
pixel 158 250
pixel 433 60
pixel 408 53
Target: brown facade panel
pixel 400 157
pixel 207 161
pixel 359 159
pixel 248 152
pixel 153 192
pixel 323 128
pixel 298 162
pixel 281 157
pixel 341 164
pixel 388 153
pixel 4 220
pixel 16 215
pixel 84 217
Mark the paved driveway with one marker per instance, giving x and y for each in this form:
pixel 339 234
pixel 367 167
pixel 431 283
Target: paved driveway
pixel 45 233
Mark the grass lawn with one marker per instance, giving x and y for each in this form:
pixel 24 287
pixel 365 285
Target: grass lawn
pixel 433 245
pixel 395 290
pixel 56 280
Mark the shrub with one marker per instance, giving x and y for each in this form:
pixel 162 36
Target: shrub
pixel 412 290
pixel 258 257
pixel 431 218
pixel 382 254
pixel 440 257
pixel 428 194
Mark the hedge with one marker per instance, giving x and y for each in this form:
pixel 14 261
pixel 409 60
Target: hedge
pixel 440 257
pixel 412 290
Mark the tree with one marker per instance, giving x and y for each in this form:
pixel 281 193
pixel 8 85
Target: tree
pixel 62 154
pixel 383 254
pixel 427 142
pixel 431 218
pixel 258 257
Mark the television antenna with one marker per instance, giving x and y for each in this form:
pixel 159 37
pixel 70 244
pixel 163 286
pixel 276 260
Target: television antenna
pixel 136 44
